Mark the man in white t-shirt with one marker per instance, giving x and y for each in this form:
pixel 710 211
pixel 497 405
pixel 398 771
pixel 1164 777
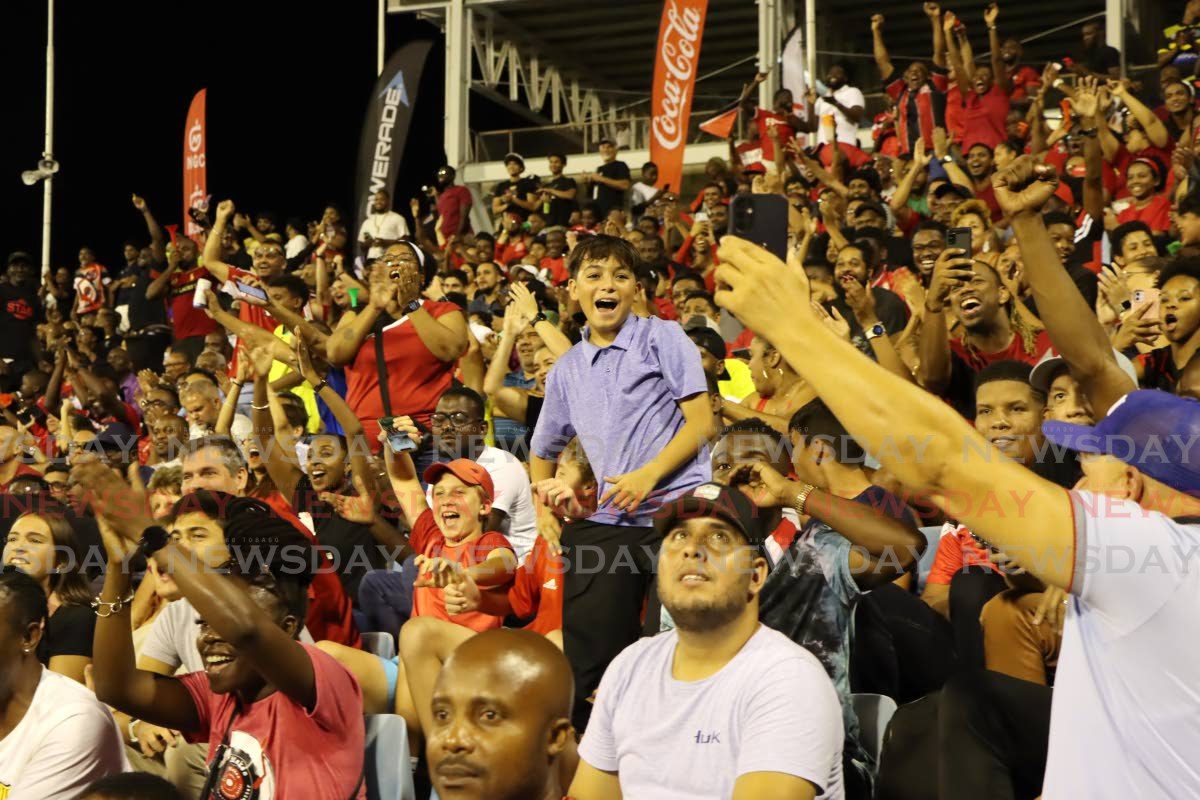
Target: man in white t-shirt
pixel 696 712
pixel 382 227
pixel 644 191
pixel 55 736
pixel 1125 719
pixel 844 102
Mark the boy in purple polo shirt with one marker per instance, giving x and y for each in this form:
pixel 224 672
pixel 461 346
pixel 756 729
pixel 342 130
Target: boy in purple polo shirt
pixel 634 393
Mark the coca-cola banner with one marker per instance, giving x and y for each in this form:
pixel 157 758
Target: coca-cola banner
pixel 679 37
pixel 195 174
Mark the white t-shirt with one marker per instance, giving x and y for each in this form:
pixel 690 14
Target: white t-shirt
pixel 295 245
pixel 66 740
pixel 173 634
pixel 388 225
pixel 1125 720
pixel 641 194
pixel 674 740
pixel 514 496
pixel 240 429
pixel 847 131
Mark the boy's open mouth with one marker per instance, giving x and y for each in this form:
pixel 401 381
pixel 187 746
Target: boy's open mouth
pixel 607 304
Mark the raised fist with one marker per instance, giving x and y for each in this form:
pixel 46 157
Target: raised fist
pixel 1024 186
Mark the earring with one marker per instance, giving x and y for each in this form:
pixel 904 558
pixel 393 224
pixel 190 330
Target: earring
pixel 765 374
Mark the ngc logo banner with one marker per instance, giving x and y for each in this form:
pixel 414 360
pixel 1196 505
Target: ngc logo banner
pixel 679 36
pixel 195 173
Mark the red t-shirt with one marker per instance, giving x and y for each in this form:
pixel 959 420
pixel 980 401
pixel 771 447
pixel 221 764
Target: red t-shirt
pixel 855 156
pixel 538 589
pixel 512 250
pixel 450 207
pixel 330 612
pixel 427 539
pixel 278 744
pixel 1157 214
pixel 187 320
pixel 956 549
pixel 558 269
pixel 983 118
pixel 956 115
pixel 416 377
pixel 1023 79
pixel 764 121
pixel 1014 352
pixel 1124 158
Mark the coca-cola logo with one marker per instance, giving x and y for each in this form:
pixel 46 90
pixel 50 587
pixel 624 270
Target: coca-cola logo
pixel 679 53
pixel 195 137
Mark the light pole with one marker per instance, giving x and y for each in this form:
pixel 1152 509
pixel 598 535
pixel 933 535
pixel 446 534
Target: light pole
pixel 47 166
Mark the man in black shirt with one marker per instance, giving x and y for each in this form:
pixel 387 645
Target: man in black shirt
pixel 20 313
pixel 610 182
pixel 558 193
pixel 517 194
pixel 1095 57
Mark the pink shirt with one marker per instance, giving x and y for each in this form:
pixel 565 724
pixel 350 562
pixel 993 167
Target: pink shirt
pixel 279 746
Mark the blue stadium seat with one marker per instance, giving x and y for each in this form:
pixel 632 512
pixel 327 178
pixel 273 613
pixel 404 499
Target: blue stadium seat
pixel 388 764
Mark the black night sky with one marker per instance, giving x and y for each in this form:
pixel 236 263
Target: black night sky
pixel 287 83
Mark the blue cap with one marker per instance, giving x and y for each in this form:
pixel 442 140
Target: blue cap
pixel 1157 432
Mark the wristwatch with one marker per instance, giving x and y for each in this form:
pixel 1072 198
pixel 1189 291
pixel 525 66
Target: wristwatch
pixel 153 539
pixel 539 318
pixel 947 159
pixel 412 306
pixel 875 331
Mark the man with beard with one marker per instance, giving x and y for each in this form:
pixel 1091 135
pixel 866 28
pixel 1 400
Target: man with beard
pixel 843 102
pixel 991 331
pixel 1019 80
pixel 919 94
pixel 528 681
pixel 382 228
pixel 488 289
pixel 782 116
pixel 558 193
pixel 20 314
pixel 178 281
pixel 928 242
pixel 872 313
pixel 453 204
pixel 695 710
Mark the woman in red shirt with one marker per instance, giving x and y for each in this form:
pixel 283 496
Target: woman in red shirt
pixel 1143 178
pixel 420 341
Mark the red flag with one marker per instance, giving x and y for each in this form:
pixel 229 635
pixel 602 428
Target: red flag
pixel 195 175
pixel 679 36
pixel 721 125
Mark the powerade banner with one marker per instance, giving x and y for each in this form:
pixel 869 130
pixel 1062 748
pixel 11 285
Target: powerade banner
pixel 679 36
pixel 385 129
pixel 195 168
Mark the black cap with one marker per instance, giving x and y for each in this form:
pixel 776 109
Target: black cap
pixel 723 503
pixel 950 188
pixel 20 256
pixel 711 341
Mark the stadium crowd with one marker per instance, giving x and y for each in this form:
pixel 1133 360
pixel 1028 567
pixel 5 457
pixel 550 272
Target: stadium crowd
pixel 615 502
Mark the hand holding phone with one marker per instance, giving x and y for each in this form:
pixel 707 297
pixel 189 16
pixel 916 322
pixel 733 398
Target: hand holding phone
pixel 398 439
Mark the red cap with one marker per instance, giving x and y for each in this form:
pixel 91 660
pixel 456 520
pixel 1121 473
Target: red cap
pixel 465 470
pixel 1064 193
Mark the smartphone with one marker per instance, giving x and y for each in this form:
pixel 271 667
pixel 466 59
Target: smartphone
pixel 762 219
pixel 399 442
pixel 203 286
pixel 1143 296
pixel 249 292
pixel 959 239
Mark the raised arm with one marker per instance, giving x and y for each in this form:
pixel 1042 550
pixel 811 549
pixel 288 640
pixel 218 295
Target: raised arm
pixel 1073 327
pixel 952 269
pixel 212 246
pixel 955 56
pixel 999 71
pixel 920 164
pixel 158 287
pixel 147 696
pixel 920 440
pixel 157 241
pixel 1086 104
pixel 934 12
pixel 403 475
pixel 1156 132
pixel 941 149
pixel 879 49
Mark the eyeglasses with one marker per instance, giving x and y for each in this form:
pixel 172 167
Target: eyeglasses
pixel 458 419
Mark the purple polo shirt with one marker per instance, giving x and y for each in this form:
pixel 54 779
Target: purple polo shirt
pixel 622 401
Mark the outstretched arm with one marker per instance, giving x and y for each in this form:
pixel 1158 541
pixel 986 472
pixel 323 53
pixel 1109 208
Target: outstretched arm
pixel 1072 326
pixel 882 59
pixel 212 246
pixel 999 71
pixel 157 241
pixel 937 451
pixel 1156 132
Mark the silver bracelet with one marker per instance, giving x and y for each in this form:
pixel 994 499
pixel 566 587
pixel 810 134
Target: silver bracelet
pixel 104 609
